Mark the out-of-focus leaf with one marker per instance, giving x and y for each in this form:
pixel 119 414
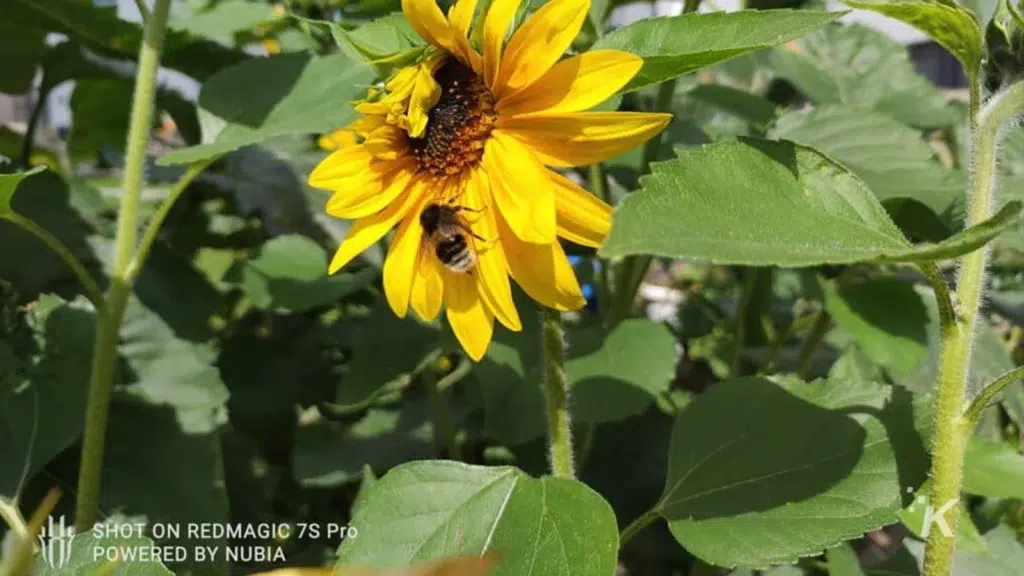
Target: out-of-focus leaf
pixel 290 275
pixel 753 109
pixel 281 94
pixel 674 46
pixel 843 561
pixel 83 560
pixel 23 50
pixel 948 23
pixel 860 67
pixel 915 516
pixel 1004 558
pixel 892 159
pixel 824 462
pixel 465 566
pixel 885 317
pixel 993 469
pixel 100 109
pixel 434 509
pixel 224 19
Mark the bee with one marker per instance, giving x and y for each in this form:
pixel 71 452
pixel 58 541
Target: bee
pixel 446 230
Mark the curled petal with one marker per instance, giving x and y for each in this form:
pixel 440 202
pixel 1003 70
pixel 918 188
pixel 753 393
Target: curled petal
pixel 583 137
pixel 429 22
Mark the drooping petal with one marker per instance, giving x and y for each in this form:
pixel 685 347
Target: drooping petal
pixel 520 188
pixel 368 193
pixel 583 137
pixel 428 21
pixel 582 217
pixel 424 95
pixel 428 287
pixel 461 18
pixel 539 43
pixel 542 271
pixel 400 265
pixel 574 84
pixel 339 164
pixel 368 230
pixel 471 321
pixel 491 272
pixel 496 24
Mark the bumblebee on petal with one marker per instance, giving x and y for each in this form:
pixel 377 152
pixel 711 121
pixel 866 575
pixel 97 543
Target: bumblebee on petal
pixel 455 151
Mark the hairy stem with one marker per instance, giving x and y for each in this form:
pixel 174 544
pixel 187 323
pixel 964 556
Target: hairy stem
pixel 105 347
pixel 556 394
pixel 92 289
pixel 948 436
pixel 988 394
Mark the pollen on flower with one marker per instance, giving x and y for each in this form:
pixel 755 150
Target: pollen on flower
pixel 458 124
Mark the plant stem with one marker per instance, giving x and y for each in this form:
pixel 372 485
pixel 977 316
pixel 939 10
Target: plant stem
pixel 33 123
pixel 814 340
pixel 634 528
pixel 153 227
pixel 556 395
pixel 599 187
pixel 749 282
pixel 988 394
pixel 92 289
pixel 442 417
pixel 948 437
pixel 105 347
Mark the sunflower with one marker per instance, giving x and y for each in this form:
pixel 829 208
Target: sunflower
pixel 478 129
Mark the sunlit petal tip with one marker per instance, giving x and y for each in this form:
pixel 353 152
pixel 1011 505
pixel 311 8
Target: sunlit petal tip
pixel 338 164
pixel 539 43
pixel 582 217
pixel 429 22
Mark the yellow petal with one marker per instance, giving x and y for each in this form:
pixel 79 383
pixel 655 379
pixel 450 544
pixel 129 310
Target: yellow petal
pixel 428 287
pixel 470 320
pixel 461 18
pixel 429 22
pixel 365 231
pixel 575 84
pixel 543 272
pixel 539 43
pixel 368 193
pixel 339 164
pixel 520 188
pixel 400 264
pixel 386 143
pixel 496 24
pixel 424 96
pixel 583 137
pixel 338 139
pixel 582 217
pixel 491 272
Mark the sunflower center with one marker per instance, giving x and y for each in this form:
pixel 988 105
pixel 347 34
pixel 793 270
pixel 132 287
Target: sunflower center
pixel 458 125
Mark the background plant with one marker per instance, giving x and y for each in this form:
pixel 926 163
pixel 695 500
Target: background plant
pixel 805 213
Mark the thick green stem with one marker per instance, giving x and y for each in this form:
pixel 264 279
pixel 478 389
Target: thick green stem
pixel 443 428
pixel 92 289
pixel 950 429
pixel 105 347
pixel 556 394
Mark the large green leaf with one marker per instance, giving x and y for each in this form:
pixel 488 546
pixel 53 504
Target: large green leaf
pixel 435 509
pixel 892 159
pixel 101 110
pixel 1005 556
pixel 993 469
pixel 290 275
pixel 282 94
pixel 759 202
pixel 43 391
pixel 221 21
pixel 23 49
pixel 863 68
pixel 677 45
pixel 885 317
pixel 819 462
pixel 948 23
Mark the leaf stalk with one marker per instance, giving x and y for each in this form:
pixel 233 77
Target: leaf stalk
pixel 556 395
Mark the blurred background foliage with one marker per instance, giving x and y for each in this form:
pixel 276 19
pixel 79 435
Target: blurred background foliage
pixel 252 387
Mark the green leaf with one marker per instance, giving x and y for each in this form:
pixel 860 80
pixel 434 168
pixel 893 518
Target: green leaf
pixel 1004 558
pixel 862 68
pixel 892 159
pixel 993 469
pixel 677 45
pixel 854 364
pixel 951 25
pixel 819 462
pixel 100 109
pixel 83 561
pixel 223 20
pixel 384 43
pixel 749 107
pixel 290 275
pixel 435 509
pixel 842 561
pixel 42 401
pixel 618 374
pixel 885 317
pixel 915 516
pixel 9 185
pixel 23 49
pixel 753 203
pixel 281 94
